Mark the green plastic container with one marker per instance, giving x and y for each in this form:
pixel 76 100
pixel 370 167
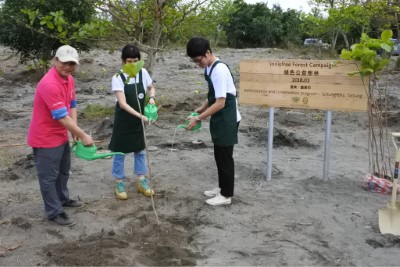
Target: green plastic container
pixel 89 152
pixel 195 128
pixel 151 112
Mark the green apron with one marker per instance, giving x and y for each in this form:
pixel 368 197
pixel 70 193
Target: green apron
pixel 223 124
pixel 128 133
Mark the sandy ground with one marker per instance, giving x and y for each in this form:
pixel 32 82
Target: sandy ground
pixel 295 219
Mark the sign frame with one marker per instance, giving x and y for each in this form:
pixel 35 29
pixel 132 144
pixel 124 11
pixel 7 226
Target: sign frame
pixel 302 84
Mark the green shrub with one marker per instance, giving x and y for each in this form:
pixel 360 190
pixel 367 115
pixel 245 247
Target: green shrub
pixel 36 28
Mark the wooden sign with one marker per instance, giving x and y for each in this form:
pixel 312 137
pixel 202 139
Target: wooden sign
pixel 303 84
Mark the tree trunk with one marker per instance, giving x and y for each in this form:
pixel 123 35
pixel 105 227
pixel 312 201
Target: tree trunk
pixel 334 40
pixel 397 25
pixel 345 39
pixel 154 42
pixel 156 35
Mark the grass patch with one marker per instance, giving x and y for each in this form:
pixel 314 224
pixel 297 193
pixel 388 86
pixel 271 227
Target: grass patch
pixel 97 111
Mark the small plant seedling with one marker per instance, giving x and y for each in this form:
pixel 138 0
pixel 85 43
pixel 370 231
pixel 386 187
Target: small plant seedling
pixel 132 69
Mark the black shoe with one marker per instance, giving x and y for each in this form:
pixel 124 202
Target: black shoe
pixel 62 219
pixel 73 204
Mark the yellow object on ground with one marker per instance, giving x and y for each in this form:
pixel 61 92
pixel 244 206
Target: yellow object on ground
pixel 120 191
pixel 144 187
pixel 389 217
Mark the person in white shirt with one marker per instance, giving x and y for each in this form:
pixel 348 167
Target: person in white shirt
pixel 221 106
pixel 128 134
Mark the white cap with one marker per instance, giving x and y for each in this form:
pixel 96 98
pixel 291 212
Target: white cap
pixel 67 53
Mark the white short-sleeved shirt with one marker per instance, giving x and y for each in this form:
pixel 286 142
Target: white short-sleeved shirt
pixel 222 80
pixel 118 85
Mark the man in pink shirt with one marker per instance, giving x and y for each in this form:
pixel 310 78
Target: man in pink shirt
pixel 54 114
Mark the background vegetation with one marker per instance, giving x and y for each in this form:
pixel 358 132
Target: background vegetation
pixel 35 28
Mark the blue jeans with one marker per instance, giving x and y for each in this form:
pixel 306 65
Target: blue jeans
pixel 53 165
pixel 139 165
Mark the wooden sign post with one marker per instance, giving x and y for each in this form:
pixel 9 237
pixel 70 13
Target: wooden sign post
pixel 302 84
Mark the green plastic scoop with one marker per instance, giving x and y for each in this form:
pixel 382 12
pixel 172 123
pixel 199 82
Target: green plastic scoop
pixel 195 128
pixel 89 152
pixel 150 111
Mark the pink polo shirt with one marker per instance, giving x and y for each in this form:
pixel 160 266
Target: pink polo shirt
pixel 52 94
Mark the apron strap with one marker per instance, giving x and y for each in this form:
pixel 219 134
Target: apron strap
pixel 212 68
pixel 122 76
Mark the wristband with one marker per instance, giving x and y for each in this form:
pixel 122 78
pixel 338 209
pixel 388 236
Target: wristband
pixel 152 97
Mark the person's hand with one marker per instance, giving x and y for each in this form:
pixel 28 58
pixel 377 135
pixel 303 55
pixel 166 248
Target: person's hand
pixel 87 140
pixel 152 101
pixel 192 124
pixel 145 119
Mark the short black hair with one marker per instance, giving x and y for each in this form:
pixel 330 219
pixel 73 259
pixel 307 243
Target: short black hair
pixel 130 51
pixel 197 46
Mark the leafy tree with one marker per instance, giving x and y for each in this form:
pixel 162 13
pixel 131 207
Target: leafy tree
pixel 314 25
pixel 147 23
pixel 291 20
pixel 353 19
pixel 206 21
pixel 369 64
pixel 36 28
pixel 385 14
pixel 258 26
pixel 348 19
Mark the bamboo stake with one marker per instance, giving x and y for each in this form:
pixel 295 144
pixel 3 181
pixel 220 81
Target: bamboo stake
pixel 147 153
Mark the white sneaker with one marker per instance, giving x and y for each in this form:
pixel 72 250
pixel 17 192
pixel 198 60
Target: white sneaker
pixel 219 200
pixel 212 193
